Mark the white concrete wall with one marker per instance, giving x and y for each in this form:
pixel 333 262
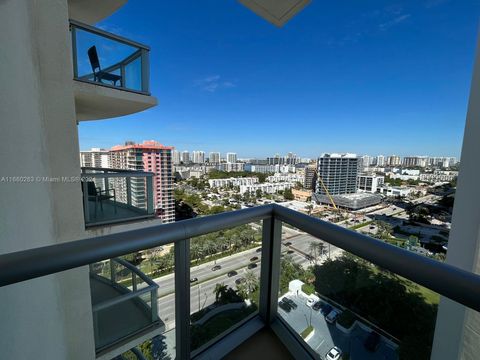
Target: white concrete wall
pixel 47 318
pixel 457 332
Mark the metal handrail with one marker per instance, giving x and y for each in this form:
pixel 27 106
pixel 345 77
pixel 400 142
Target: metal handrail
pixel 109 172
pixel 107 34
pixel 457 284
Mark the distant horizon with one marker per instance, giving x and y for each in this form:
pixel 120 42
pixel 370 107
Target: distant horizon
pixel 241 157
pixel 368 78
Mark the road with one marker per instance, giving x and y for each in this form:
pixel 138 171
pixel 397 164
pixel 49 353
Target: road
pixel 202 292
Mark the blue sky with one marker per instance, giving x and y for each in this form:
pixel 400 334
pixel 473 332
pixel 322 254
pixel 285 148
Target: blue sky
pixel 371 77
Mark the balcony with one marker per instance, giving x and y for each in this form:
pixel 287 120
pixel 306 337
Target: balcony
pixel 111 74
pixel 113 196
pixel 121 312
pixel 267 277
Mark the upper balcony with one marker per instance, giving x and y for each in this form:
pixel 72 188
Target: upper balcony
pixel 112 196
pixel 111 74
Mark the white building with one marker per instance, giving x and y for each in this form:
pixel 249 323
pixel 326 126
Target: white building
pixel 229 167
pixel 198 157
pixel 95 157
pixel 439 176
pixel 176 157
pixel 231 157
pixel 232 182
pixel 380 161
pixel 268 188
pixel 185 157
pixel 369 182
pixel 279 177
pixel 395 190
pixel 214 158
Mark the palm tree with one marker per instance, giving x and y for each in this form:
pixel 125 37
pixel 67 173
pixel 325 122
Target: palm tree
pixel 219 291
pixel 251 281
pixel 313 247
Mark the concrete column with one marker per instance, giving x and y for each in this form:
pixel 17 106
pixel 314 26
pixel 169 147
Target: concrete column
pixel 50 317
pixel 457 332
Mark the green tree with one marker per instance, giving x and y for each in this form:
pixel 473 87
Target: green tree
pixel 288 195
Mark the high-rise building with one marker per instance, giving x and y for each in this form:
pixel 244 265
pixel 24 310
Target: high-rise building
pixel 231 157
pixel 185 157
pixel 380 161
pixel 198 157
pixel 95 157
pixel 153 157
pixel 366 161
pixel 177 157
pixel 338 173
pixel 214 158
pixel 394 160
pixel 310 177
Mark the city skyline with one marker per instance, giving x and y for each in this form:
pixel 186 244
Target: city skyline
pixel 373 78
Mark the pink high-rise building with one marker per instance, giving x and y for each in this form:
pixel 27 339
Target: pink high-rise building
pixel 150 156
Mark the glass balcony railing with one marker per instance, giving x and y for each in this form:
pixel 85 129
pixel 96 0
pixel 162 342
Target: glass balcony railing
pixel 113 195
pixel 324 291
pixel 110 60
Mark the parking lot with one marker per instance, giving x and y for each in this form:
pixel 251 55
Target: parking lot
pixel 328 335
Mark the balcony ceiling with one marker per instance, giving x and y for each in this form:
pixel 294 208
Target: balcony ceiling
pixel 92 11
pixel 278 12
pixel 95 102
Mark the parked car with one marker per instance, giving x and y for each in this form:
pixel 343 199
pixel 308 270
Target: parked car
pixel 325 309
pixel 290 302
pixel 317 306
pixel 255 258
pixel 284 305
pixel 332 316
pixel 311 301
pixel 334 354
pixel 240 281
pixel 372 341
pixel 232 273
pixel 192 280
pixel 252 266
pixel 259 249
pixel 216 267
pixel 288 243
pixel 372 227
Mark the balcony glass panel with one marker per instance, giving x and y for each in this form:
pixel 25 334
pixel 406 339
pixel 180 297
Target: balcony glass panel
pixel 133 295
pixel 112 195
pixel 338 302
pixel 108 59
pixel 224 281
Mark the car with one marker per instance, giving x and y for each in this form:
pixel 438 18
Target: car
pixel 255 258
pixel 311 301
pixel 290 252
pixel 372 227
pixel 284 305
pixel 334 354
pixel 240 281
pixel 252 266
pixel 332 316
pixel 259 249
pixel 216 267
pixel 232 273
pixel 288 243
pixel 372 341
pixel 317 306
pixel 192 280
pixel 290 302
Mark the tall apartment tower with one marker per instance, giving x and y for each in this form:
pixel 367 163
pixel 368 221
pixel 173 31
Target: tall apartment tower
pixel 338 173
pixel 231 157
pixel 198 157
pixel 176 156
pixel 310 177
pixel 95 157
pixel 185 157
pixel 153 157
pixel 214 158
pixel 380 160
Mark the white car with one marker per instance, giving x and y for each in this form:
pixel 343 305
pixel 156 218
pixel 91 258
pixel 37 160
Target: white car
pixel 334 354
pixel 310 302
